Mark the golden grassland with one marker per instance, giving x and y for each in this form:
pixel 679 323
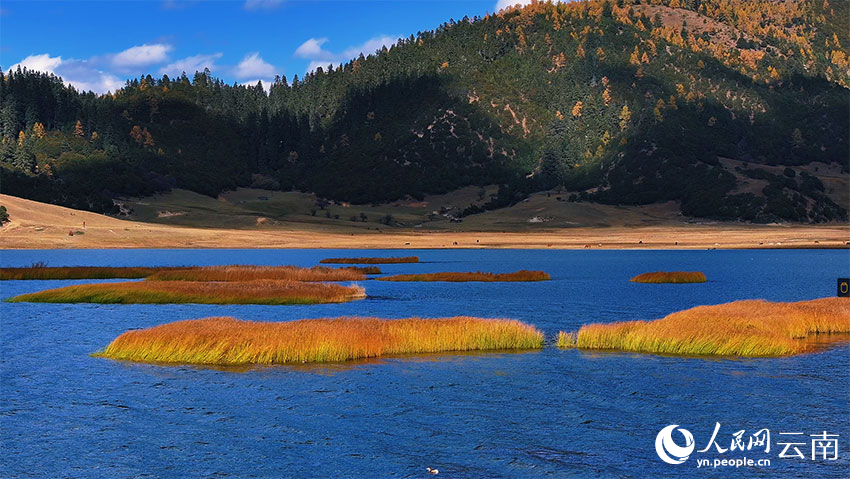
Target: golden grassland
pixel 35 225
pixel 391 260
pixel 517 276
pixel 230 341
pixel 273 292
pixel 678 277
pixel 754 328
pixel 77 272
pixel 253 273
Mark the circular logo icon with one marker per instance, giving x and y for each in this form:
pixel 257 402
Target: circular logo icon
pixel 668 450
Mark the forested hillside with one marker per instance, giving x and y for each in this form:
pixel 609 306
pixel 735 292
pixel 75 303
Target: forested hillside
pixel 621 102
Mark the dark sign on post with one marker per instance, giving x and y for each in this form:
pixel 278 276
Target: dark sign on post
pixel 844 287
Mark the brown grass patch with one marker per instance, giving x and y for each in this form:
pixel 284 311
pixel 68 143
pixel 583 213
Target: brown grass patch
pixel 254 273
pixel 670 277
pixel 77 272
pixel 165 292
pixel 518 276
pixel 396 260
pixel 743 328
pixel 229 341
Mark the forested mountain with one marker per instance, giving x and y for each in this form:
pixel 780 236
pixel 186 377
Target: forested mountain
pixel 622 102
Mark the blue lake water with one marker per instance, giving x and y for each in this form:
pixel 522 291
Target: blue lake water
pixel 550 413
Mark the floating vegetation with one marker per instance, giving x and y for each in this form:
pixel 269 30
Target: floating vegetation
pixel 253 273
pixel 390 260
pixel 670 277
pixel 364 269
pixel 567 340
pixel 192 273
pixel 753 328
pixel 164 292
pixel 42 272
pixel 230 341
pixel 523 275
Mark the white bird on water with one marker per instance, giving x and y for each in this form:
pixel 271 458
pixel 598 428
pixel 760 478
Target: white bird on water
pixel 432 471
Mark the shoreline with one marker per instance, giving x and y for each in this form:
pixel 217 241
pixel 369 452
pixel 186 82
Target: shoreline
pixel 36 226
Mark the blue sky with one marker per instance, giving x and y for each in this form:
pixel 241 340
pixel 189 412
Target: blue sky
pixel 97 45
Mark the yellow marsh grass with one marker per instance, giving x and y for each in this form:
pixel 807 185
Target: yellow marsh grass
pixel 743 328
pixel 194 273
pixel 364 269
pixel 162 292
pixel 229 341
pixel 523 275
pixel 253 273
pixel 77 272
pixel 405 259
pixel 670 277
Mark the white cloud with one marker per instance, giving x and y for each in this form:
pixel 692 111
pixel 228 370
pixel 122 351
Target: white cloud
pixel 262 4
pixel 267 84
pixel 99 83
pixel 81 74
pixel 190 65
pixel 320 57
pixel 312 48
pixel 142 55
pixel 510 3
pixel 42 63
pixel 320 63
pixel 369 47
pixel 254 66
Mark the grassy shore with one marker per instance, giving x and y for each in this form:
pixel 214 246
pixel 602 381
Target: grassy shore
pixel 391 260
pixel 753 328
pixel 35 225
pixel 518 276
pixel 677 277
pixel 273 292
pixel 229 341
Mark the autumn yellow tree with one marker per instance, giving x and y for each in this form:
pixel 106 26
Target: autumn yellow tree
pixel 625 116
pixel 577 109
pixel 136 134
pixel 38 130
pixel 635 58
pixel 657 111
pixel 78 129
pixel 606 96
pixel 148 138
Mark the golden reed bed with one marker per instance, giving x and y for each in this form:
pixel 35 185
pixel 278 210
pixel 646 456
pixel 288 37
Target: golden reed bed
pixel 253 273
pixel 752 328
pixel 229 341
pixel 193 273
pixel 274 292
pixel 670 277
pixel 395 260
pixel 518 276
pixel 77 272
